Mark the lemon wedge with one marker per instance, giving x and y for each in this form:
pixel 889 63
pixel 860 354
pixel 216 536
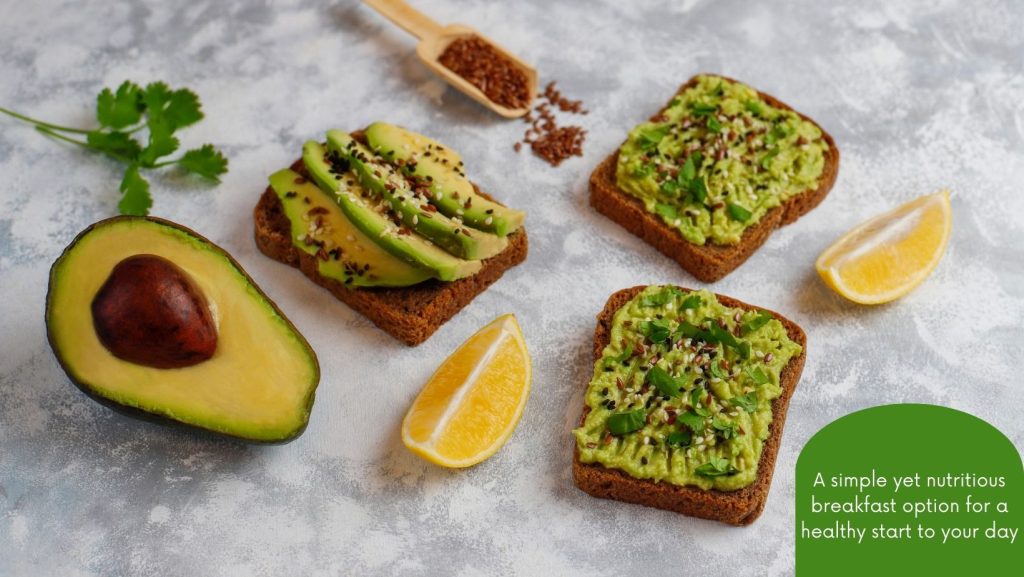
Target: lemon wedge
pixel 473 402
pixel 886 257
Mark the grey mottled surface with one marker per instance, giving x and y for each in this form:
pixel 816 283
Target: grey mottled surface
pixel 919 96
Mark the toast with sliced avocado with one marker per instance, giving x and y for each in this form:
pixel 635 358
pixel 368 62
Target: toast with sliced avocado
pixel 382 222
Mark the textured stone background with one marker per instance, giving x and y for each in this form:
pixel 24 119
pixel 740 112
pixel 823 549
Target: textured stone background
pixel 919 96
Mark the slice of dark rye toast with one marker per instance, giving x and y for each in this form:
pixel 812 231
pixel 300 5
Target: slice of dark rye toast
pixel 740 507
pixel 708 262
pixel 410 314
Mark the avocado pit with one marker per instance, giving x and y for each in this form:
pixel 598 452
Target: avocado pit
pixel 150 312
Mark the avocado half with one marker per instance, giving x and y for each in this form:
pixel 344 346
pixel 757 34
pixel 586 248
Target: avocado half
pixel 258 386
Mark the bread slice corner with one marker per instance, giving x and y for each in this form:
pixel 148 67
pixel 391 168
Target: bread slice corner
pixel 740 507
pixel 708 262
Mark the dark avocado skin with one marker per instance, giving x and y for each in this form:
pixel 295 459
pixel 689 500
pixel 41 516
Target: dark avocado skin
pixel 160 419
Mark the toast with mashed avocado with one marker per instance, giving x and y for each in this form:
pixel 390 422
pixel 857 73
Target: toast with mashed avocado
pixel 709 177
pixel 387 220
pixel 687 402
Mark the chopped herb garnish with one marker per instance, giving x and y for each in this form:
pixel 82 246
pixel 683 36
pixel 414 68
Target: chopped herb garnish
pixel 699 190
pixel 716 467
pixel 695 398
pixel 627 422
pixel 723 428
pixel 776 134
pixel 668 211
pixel 714 125
pixel 691 302
pixel 621 357
pixel 664 382
pixel 692 420
pixel 660 298
pixel 644 170
pixel 739 213
pixel 679 439
pixel 701 109
pixel 716 370
pixel 757 322
pixel 689 169
pixel 657 330
pixel 651 136
pixel 766 161
pixel 747 402
pixel 757 375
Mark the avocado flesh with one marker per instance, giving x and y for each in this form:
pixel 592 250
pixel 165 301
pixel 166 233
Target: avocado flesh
pixel 439 167
pixel 384 180
pixel 258 386
pixel 343 252
pixel 365 211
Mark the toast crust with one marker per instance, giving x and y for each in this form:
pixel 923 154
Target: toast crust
pixel 740 507
pixel 410 314
pixel 710 262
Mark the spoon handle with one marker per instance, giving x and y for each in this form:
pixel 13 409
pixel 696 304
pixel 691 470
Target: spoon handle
pixel 412 20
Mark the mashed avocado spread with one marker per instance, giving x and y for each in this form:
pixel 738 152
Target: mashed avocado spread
pixel 683 391
pixel 718 158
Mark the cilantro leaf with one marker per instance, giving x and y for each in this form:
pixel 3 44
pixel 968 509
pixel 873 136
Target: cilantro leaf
pixel 777 133
pixel 747 402
pixel 699 190
pixel 667 211
pixel 657 330
pixel 627 422
pixel 766 160
pixel 119 113
pixel 179 108
pixel 701 109
pixel 115 144
pixel 716 467
pixel 207 162
pixel 724 428
pixel 739 213
pixel 660 298
pixel 757 322
pixel 692 420
pixel 691 302
pixel 650 137
pixel 757 375
pixel 714 125
pixel 679 439
pixel 644 170
pixel 754 107
pixel 689 170
pixel 120 109
pixel 161 141
pixel 695 397
pixel 664 382
pixel 625 354
pixel 716 370
pixel 135 189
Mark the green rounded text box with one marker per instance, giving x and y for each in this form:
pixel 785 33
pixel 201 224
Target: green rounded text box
pixel 867 483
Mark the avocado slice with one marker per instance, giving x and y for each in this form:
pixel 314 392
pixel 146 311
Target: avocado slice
pixel 344 253
pixel 369 214
pixel 258 385
pixel 384 180
pixel 440 169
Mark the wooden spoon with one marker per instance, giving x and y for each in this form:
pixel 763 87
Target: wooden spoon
pixel 434 38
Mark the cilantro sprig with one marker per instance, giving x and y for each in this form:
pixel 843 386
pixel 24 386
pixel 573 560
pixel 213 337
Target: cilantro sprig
pixel 128 111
